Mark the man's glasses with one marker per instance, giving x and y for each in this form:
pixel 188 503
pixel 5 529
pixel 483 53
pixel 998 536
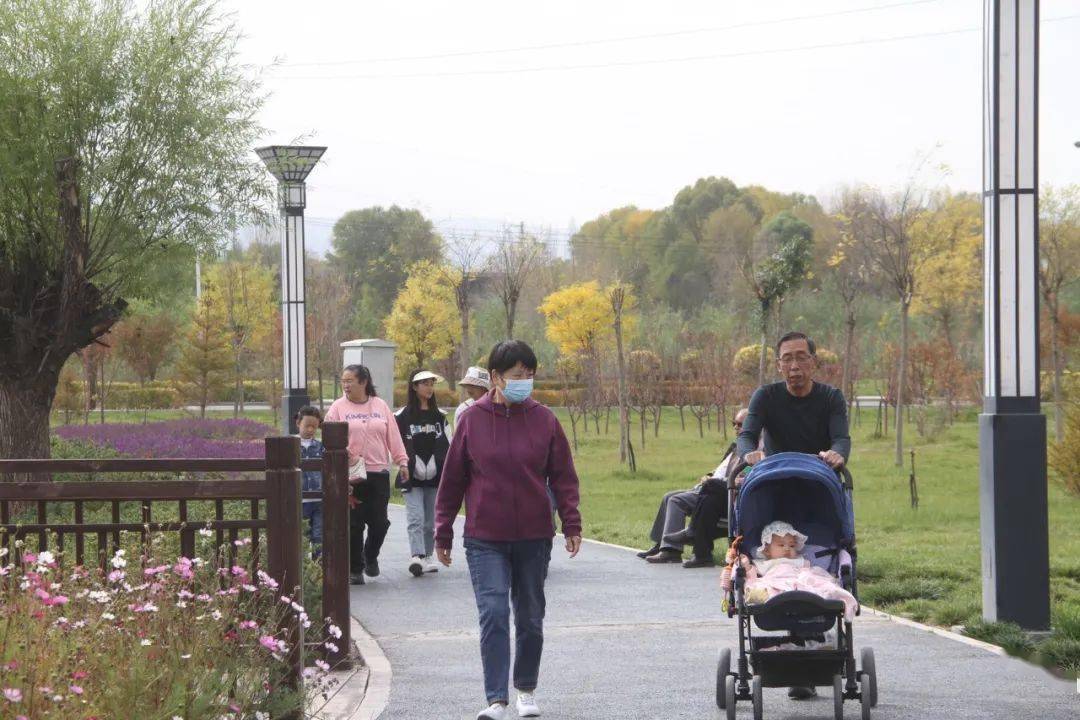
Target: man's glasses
pixel 788 360
pixel 736 424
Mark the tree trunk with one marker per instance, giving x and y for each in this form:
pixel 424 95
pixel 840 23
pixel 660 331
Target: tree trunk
pixel 1055 357
pixel 849 351
pixel 101 391
pixel 763 358
pixel 510 307
pixel 238 387
pixel 682 418
pixel 901 379
pixel 464 353
pixel 624 418
pixel 24 417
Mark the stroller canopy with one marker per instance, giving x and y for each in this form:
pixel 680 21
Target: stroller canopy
pixel 800 489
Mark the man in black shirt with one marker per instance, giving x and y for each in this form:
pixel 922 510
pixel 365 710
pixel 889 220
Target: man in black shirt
pixel 797 414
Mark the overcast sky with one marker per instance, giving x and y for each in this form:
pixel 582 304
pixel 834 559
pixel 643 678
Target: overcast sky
pixel 484 112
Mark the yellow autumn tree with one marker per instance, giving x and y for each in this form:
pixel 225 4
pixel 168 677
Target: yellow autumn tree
pixel 424 321
pixel 949 280
pixel 580 318
pixel 205 358
pixel 242 292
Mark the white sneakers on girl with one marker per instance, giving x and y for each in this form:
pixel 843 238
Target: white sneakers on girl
pixel 430 566
pixel 416 566
pixel 526 705
pixel 497 711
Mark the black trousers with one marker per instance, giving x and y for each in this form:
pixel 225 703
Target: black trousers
pixel 710 510
pixel 374 495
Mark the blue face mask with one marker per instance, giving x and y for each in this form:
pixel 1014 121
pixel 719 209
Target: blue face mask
pixel 517 391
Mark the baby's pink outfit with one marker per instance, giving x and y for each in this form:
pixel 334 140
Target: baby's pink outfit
pixel 787 574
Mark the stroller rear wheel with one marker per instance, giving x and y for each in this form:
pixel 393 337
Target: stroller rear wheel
pixel 838 696
pixel 864 691
pixel 756 696
pixel 729 696
pixel 723 669
pixel 866 660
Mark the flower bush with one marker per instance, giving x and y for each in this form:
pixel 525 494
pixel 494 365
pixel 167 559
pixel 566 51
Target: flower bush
pixel 190 438
pixel 149 639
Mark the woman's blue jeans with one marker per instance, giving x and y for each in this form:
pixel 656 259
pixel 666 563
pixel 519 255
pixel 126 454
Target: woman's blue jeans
pixel 506 574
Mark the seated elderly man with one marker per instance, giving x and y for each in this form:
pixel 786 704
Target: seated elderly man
pixel 668 532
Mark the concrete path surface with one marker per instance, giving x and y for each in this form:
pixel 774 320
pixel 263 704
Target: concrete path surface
pixel 627 640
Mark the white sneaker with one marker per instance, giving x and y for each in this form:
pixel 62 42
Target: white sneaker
pixel 430 565
pixel 416 566
pixel 497 711
pixel 526 705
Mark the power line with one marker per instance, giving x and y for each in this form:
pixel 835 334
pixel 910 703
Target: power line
pixel 655 61
pixel 607 41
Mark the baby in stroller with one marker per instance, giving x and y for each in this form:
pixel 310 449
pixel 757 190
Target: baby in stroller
pixel 779 566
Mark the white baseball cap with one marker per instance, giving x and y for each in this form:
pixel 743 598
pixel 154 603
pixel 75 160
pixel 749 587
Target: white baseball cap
pixel 476 376
pixel 425 375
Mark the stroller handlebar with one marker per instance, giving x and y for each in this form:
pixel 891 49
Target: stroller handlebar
pixel 842 474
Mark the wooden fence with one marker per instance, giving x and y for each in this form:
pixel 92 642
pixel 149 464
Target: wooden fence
pixel 279 490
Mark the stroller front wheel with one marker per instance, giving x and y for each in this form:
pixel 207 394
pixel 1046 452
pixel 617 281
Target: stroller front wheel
pixel 866 660
pixel 838 696
pixel 756 695
pixel 729 696
pixel 723 670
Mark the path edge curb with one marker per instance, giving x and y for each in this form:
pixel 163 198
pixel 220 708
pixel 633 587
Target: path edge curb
pixel 380 673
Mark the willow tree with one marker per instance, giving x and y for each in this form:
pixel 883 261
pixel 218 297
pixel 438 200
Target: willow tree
pixel 125 142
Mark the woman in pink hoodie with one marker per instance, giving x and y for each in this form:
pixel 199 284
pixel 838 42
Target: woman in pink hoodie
pixel 373 437
pixel 505 454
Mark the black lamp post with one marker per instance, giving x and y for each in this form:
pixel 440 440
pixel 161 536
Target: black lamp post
pixel 1012 428
pixel 290 164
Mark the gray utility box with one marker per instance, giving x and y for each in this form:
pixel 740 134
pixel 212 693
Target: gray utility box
pixel 378 357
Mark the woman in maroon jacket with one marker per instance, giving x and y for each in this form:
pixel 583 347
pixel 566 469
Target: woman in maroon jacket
pixel 506 451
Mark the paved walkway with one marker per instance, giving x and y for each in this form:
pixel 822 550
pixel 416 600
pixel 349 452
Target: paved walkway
pixel 627 640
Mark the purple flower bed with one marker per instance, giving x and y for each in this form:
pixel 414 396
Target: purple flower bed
pixel 193 438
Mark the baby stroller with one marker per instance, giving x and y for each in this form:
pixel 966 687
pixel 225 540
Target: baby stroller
pixel 804 491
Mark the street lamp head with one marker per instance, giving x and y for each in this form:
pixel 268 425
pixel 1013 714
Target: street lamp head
pixel 290 163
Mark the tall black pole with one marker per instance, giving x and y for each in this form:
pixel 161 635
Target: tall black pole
pixel 1012 428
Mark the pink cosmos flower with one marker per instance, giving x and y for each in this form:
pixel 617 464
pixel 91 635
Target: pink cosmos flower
pixel 77 689
pixel 80 675
pixel 248 625
pixel 116 576
pixel 13 694
pixel 266 641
